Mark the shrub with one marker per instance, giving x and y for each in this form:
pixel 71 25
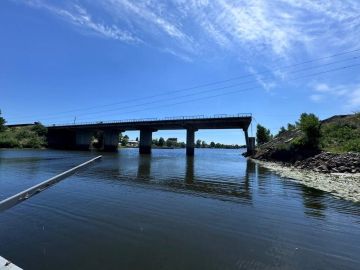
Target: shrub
pixel 310 125
pixel 352 145
pixel 39 129
pixel 7 141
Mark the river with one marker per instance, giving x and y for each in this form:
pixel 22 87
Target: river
pixel 166 211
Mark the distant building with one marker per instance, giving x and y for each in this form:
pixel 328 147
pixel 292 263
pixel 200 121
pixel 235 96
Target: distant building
pixel 173 140
pixel 132 143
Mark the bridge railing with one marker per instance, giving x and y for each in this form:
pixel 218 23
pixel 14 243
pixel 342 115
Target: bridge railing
pixel 190 117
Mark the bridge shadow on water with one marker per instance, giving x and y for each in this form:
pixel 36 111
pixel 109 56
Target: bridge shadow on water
pixel 181 177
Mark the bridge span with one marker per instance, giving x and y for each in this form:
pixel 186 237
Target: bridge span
pixel 78 136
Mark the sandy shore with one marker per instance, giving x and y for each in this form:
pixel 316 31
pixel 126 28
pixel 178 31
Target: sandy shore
pixel 343 185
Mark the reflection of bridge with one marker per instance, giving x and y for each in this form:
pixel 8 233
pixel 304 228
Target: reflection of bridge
pixel 78 136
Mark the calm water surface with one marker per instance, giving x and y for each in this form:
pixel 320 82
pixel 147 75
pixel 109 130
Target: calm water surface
pixel 166 211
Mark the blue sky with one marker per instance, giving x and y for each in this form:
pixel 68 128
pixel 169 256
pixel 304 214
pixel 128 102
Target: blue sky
pixel 122 59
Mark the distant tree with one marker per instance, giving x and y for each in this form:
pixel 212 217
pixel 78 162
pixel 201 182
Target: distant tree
pixel 203 144
pixel 137 139
pixel 2 122
pixel 155 142
pixel 263 134
pixel 310 125
pixel 281 131
pixel 212 144
pixel 290 126
pixel 125 140
pixel 198 144
pixel 182 145
pixel 161 142
pixel 169 143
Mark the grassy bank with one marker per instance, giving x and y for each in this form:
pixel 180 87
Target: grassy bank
pixel 309 137
pixel 341 134
pixel 23 137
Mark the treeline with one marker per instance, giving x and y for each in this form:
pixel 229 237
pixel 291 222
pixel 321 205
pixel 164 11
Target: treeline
pixel 173 143
pixel 203 144
pixel 22 137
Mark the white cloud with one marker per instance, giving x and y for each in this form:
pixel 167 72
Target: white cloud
pixel 245 28
pixel 322 87
pixel 316 98
pixel 353 102
pixel 78 16
pixel 346 96
pixel 266 83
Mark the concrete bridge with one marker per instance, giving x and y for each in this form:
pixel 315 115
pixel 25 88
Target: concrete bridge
pixel 78 136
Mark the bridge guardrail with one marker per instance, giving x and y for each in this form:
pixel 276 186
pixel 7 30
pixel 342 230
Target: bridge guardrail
pixel 216 116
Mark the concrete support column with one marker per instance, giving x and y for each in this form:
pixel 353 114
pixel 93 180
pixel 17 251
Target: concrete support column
pixel 190 141
pixel 145 141
pixel 247 140
pixel 251 148
pixel 83 139
pixel 111 140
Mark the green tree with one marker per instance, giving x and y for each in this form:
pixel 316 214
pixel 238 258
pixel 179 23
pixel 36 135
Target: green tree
pixel 281 131
pixel 198 144
pixel 154 142
pixel 161 142
pixel 2 122
pixel 203 144
pixel 169 143
pixel 263 134
pixel 124 140
pixel 290 126
pixel 212 144
pixel 182 145
pixel 310 125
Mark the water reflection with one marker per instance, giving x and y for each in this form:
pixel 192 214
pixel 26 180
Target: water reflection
pixel 189 174
pixel 144 167
pixel 314 201
pixel 230 187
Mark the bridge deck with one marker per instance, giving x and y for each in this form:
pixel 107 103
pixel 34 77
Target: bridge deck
pixel 200 122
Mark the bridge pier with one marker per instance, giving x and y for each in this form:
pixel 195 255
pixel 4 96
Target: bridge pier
pixel 190 141
pixel 83 139
pixel 251 148
pixel 250 143
pixel 111 140
pixel 145 141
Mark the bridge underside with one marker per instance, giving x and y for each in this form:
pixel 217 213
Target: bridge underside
pixel 81 136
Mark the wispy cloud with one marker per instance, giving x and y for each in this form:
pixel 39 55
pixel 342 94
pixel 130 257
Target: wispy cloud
pixel 347 96
pixel 266 83
pixel 255 28
pixel 78 16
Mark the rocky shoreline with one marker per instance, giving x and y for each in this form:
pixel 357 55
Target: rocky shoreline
pixel 342 185
pixel 324 162
pixel 331 163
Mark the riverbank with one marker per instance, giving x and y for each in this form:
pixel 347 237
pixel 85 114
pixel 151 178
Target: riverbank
pixel 342 185
pixel 24 137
